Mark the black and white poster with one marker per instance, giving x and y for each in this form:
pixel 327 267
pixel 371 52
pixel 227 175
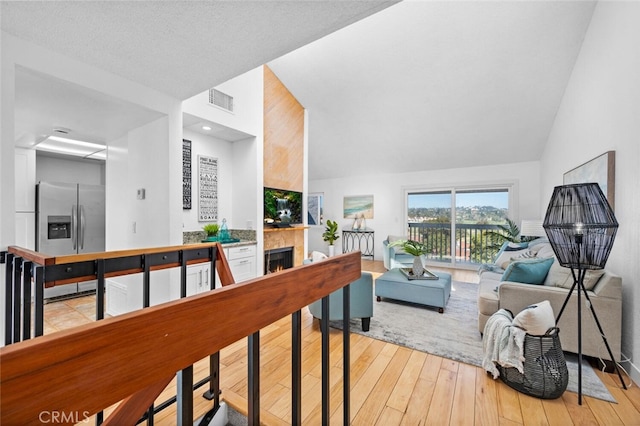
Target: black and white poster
pixel 186 174
pixel 208 189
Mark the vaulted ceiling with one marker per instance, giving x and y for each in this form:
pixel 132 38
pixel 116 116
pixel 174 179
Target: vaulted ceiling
pixel 389 87
pixel 432 85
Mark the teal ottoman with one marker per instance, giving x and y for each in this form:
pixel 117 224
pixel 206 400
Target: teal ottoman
pixel 393 284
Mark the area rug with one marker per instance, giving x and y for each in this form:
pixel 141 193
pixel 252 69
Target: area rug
pixel 453 334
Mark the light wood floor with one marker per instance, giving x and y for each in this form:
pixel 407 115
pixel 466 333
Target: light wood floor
pixel 390 384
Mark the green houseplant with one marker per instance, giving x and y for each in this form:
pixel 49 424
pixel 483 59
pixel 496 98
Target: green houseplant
pixel 211 229
pixel 417 250
pixel 330 234
pixel 510 232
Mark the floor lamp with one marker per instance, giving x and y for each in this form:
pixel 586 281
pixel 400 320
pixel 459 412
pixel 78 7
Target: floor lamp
pixel 581 228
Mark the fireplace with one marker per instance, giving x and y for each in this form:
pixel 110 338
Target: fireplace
pixel 278 259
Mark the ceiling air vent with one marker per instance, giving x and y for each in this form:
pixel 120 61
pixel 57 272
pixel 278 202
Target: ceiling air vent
pixel 221 100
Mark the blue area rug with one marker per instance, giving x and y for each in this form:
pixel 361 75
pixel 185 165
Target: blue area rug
pixel 453 334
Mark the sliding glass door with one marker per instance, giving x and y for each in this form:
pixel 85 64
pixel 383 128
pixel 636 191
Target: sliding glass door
pixel 453 223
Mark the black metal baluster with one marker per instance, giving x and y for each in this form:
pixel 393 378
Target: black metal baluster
pixel 17 293
pixel 100 312
pixel 325 359
pixel 39 301
pixel 346 354
pixel 146 282
pixel 100 289
pixel 26 300
pixel 254 378
pixel 185 396
pixel 183 275
pixel 296 368
pixel 8 302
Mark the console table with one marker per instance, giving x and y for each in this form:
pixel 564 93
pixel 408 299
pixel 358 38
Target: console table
pixel 358 239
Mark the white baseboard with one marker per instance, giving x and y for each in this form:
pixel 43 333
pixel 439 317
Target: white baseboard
pixel 632 369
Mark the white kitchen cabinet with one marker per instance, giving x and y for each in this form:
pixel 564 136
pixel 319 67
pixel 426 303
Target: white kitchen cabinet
pixel 198 278
pixel 124 294
pixel 242 261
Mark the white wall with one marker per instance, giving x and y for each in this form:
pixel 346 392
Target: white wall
pixel 600 111
pixel 246 109
pixel 223 151
pixel 147 169
pixel 240 184
pixel 389 203
pixel 52 169
pixel 118 221
pixel 167 146
pixel 247 187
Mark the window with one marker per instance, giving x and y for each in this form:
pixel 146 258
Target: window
pixel 453 223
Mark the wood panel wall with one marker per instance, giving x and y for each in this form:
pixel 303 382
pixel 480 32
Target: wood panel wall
pixel 286 237
pixel 283 135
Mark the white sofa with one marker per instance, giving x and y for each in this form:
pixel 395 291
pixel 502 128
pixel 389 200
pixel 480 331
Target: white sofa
pixel 603 287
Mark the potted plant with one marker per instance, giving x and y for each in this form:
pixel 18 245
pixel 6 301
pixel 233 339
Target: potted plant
pixel 211 229
pixel 330 234
pixel 417 250
pixel 505 233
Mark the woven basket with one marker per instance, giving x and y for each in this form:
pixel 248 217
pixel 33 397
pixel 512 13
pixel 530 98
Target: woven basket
pixel 545 369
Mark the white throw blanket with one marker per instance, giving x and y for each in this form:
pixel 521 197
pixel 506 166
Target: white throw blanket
pixel 502 343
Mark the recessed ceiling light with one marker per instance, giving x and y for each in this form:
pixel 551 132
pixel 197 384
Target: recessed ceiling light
pixel 206 128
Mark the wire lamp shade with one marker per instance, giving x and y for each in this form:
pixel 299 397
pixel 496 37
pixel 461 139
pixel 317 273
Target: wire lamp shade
pixel 580 225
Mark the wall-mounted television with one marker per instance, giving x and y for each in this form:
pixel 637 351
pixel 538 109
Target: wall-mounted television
pixel 282 207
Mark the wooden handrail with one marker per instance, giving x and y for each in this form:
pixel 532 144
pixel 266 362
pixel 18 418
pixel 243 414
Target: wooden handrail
pixel 43 259
pixel 93 366
pixel 33 256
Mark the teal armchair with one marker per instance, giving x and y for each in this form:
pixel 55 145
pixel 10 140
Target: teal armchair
pixel 394 256
pixel 361 302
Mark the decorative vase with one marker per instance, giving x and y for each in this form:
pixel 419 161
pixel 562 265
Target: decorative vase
pixel 418 266
pixel 331 250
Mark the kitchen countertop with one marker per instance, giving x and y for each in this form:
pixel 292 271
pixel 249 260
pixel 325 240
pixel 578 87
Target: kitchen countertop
pixel 246 237
pixel 240 243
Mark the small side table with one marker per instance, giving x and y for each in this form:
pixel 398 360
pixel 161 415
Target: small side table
pixel 358 239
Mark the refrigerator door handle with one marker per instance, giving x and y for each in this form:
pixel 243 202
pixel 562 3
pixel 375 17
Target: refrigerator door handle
pixel 83 224
pixel 73 226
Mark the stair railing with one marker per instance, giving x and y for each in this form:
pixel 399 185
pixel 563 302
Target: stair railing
pixel 129 359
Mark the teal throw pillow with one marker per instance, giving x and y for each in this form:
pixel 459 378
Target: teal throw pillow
pixel 529 271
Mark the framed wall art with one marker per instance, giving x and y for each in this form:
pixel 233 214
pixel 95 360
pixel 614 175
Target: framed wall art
pixel 314 208
pixel 207 189
pixel 356 206
pixel 601 170
pixel 186 174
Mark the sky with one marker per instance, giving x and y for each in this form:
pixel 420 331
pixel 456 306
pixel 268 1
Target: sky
pixel 495 199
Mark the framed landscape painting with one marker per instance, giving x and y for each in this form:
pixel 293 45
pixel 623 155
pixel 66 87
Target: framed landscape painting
pixel 357 205
pixel 601 170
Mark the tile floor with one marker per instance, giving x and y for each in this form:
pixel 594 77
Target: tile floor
pixel 64 314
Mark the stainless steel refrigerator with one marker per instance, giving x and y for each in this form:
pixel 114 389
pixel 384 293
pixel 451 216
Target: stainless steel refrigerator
pixel 69 220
